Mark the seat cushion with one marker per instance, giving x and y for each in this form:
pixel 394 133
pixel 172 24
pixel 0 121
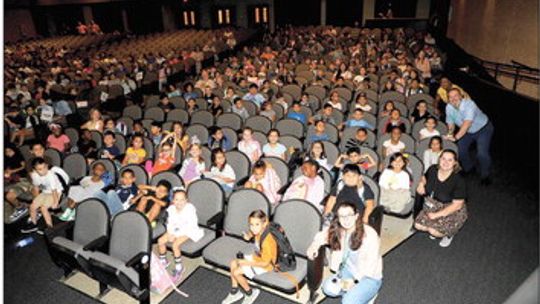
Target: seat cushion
pixel 190 248
pixel 117 264
pixel 158 231
pixel 76 248
pixel 224 249
pixel 279 281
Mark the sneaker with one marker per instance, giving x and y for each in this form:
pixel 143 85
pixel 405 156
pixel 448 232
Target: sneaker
pixel 251 298
pixel 29 220
pixel 446 241
pixel 65 216
pixel 71 216
pixel 164 262
pixel 431 237
pixel 231 298
pixel 177 274
pixel 31 227
pixel 17 214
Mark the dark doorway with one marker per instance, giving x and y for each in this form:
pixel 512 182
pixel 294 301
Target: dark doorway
pixel 108 16
pixel 144 17
pixel 344 12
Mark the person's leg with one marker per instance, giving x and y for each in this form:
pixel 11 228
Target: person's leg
pixel 36 204
pixel 162 248
pixel 464 154
pixel 112 200
pixel 483 144
pixel 154 212
pixel 141 206
pixel 420 227
pixel 435 233
pixel 241 279
pixel 365 290
pixel 234 295
pixel 418 205
pixel 327 287
pixel 11 198
pixel 46 216
pixel 177 243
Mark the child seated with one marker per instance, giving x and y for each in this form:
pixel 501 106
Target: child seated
pixel 136 153
pixel 88 186
pixel 182 225
pixel 265 179
pixel 193 166
pixel 395 185
pixel 221 171
pixel 429 128
pixel 431 155
pixel 152 199
pixel 309 186
pixel 357 120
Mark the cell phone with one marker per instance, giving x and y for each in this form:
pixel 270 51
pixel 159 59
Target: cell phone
pixel 240 255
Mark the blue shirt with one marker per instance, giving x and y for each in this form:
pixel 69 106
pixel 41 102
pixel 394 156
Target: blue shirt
pixel 297 116
pixel 258 99
pixel 351 123
pixel 468 110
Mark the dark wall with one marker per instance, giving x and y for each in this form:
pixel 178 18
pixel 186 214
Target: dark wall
pixel 108 16
pixel 298 12
pixel 144 16
pixel 400 8
pixel 344 12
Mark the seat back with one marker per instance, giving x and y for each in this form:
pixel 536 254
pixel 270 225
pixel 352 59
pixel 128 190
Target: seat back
pixel 97 137
pixel 91 222
pixel 73 135
pixel 300 230
pixel 171 177
pixel 75 166
pixel 291 141
pixel 134 112
pixel 198 130
pixel 374 186
pixel 290 127
pixel 154 113
pixel 230 120
pixel 331 150
pixel 202 117
pixel 180 115
pixel 392 95
pixel 281 168
pixel 109 166
pixel 130 235
pixel 259 123
pixel 241 203
pixel 231 136
pixel 141 177
pixel 208 198
pixel 55 156
pixel 260 137
pixel 240 164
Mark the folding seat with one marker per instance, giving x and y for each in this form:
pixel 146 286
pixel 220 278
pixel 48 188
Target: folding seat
pixel 291 142
pixel 90 232
pixel 126 266
pixel 207 156
pixel 423 145
pixel 240 164
pixel 344 93
pixel 26 152
pixel 178 102
pixel 292 89
pixel 338 117
pixel 391 95
pixel 75 166
pixel 180 115
pixel 202 117
pixel 300 231
pixel 55 156
pixel 201 103
pixel 259 123
pixel 231 135
pixel 141 177
pixel 314 103
pixel 149 148
pixel 281 168
pixel 73 135
pixel 291 127
pixel 241 203
pixel 120 142
pixel 373 111
pixel 172 177
pixel 251 107
pixel 230 120
pixel 154 113
pixel 260 137
pixel 97 137
pixel 200 131
pixel 417 126
pixel 280 111
pixel 331 151
pixel 316 90
pixel 382 123
pixel 151 101
pixel 409 142
pixel 370 94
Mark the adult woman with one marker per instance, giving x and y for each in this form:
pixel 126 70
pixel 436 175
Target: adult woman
pixel 356 256
pixel 95 123
pixel 444 212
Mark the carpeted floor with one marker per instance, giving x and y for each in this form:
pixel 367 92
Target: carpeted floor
pixel 496 250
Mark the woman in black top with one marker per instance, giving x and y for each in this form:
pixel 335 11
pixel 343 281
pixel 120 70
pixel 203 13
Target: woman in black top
pixel 445 192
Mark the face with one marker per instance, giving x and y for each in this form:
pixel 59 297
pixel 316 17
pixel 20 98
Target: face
pixel 42 169
pixel 447 161
pixel 389 106
pixel 166 150
pixel 162 192
pixel 110 124
pixel 96 115
pixel 358 115
pixel 435 145
pixel 137 142
pixel 256 225
pixel 398 163
pixel 361 135
pixel 328 111
pixel 58 132
pixel 127 179
pixel 309 170
pixel 422 107
pixel 99 170
pixel 320 127
pixel 454 98
pixel 430 124
pixel 258 173
pixel 155 130
pixel 165 100
pixel 317 149
pixel 179 199
pixel 273 137
pixel 445 83
pixel 396 134
pixel 108 140
pixel 347 217
pixel 38 151
pixel 351 179
pixel 218 135
pixel 246 135
pixel 195 151
pixel 9 152
pixel 177 128
pixel 394 115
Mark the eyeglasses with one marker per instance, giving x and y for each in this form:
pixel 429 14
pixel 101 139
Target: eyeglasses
pixel 346 217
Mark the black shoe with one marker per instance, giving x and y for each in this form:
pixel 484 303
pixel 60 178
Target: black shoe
pixel 30 228
pixel 486 181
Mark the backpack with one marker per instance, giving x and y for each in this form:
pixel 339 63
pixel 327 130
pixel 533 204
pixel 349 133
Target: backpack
pixel 286 260
pixel 160 279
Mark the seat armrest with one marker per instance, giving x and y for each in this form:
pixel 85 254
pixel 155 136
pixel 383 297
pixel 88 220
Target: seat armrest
pixel 242 181
pixel 137 259
pixel 375 218
pixel 216 219
pixel 97 243
pixel 282 190
pixel 76 182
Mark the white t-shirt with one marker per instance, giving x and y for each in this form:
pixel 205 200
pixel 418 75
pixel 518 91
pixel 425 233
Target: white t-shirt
pixel 276 151
pixel 430 158
pixel 250 148
pixel 392 180
pixel 184 222
pixel 49 182
pixel 391 148
pixel 227 172
pixel 424 133
pixel 365 108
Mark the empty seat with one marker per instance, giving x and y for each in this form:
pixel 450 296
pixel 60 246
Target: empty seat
pixel 202 117
pixel 180 115
pixel 154 113
pixel 240 164
pixel 55 156
pixel 75 166
pixel 134 112
pixel 200 131
pixel 259 123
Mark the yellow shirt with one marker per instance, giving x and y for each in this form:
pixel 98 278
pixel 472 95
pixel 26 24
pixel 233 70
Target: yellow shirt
pixel 443 94
pixel 268 252
pixel 135 156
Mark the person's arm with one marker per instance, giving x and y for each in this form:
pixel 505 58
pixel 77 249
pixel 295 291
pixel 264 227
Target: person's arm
pixel 56 199
pixel 463 129
pixel 320 239
pixel 369 205
pixel 18 169
pixel 268 253
pixel 329 205
pixel 371 161
pixel 161 203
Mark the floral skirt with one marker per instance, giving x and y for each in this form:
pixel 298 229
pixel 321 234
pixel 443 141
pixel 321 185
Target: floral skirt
pixel 447 225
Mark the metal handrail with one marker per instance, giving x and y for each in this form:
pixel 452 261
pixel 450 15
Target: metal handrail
pixel 515 70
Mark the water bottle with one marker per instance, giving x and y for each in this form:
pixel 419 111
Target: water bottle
pixel 24 242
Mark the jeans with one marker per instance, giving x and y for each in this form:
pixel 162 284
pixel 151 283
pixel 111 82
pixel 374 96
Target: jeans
pixel 361 293
pixel 112 201
pixel 482 138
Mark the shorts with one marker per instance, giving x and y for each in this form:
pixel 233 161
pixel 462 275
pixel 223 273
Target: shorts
pixel 44 200
pixel 251 271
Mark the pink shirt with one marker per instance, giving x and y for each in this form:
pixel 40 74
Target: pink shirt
pixel 58 143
